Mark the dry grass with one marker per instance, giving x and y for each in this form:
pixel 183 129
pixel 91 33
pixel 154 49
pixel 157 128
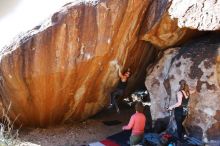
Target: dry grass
pixel 8 134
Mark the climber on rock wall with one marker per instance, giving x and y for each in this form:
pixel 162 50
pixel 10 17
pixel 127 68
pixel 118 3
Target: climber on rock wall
pixel 119 91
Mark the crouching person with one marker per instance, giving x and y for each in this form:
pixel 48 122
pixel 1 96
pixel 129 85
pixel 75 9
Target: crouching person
pixel 137 124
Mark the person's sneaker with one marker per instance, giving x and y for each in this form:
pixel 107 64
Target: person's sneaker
pixel 185 136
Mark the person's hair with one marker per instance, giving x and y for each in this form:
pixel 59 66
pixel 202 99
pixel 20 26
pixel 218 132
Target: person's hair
pixel 184 86
pixel 139 107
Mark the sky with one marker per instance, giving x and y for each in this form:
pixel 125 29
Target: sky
pixel 21 15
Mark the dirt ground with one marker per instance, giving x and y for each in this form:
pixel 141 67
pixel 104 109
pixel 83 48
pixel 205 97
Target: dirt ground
pixel 77 134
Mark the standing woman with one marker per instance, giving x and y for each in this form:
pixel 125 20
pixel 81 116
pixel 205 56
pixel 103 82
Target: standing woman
pixel 180 107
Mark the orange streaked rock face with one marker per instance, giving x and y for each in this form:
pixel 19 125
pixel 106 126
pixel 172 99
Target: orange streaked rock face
pixel 166 33
pixel 65 68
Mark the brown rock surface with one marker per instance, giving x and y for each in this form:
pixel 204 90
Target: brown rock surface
pixel 196 14
pixel 65 68
pixel 196 63
pixel 159 29
pixel 214 131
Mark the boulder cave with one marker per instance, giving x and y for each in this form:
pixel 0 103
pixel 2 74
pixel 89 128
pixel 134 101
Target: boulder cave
pixel 65 67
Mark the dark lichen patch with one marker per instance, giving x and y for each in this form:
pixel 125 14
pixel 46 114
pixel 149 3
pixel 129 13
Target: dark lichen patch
pixel 205 49
pixel 209 76
pixel 155 82
pixel 171 77
pixel 217 115
pixel 209 87
pixel 207 64
pixel 171 52
pixel 178 64
pixel 195 72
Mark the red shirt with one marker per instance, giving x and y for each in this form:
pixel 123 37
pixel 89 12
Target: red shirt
pixel 136 123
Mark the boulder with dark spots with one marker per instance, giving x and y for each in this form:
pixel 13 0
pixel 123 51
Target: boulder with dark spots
pixel 197 63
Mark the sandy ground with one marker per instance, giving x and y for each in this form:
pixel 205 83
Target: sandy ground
pixel 77 134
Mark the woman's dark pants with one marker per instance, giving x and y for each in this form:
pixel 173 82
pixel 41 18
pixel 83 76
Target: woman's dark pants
pixel 116 93
pixel 179 117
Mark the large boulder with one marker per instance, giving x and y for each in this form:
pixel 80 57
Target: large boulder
pixel 171 23
pixel 65 68
pixel 196 14
pixel 198 63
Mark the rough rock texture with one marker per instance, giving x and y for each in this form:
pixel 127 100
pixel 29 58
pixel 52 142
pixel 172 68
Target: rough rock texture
pixel 159 29
pixel 65 68
pixel 198 63
pixel 196 14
